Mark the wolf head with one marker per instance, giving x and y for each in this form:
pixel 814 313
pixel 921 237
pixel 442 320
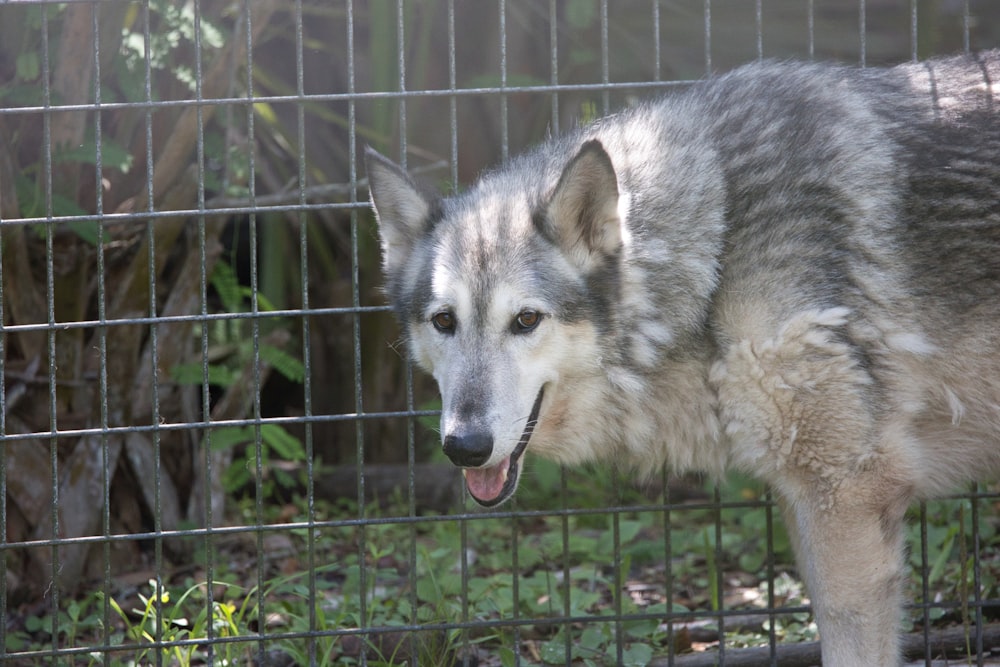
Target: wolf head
pixel 496 292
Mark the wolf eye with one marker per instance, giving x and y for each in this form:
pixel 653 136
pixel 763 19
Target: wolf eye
pixel 526 321
pixel 443 321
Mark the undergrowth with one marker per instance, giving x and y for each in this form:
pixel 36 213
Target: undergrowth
pixel 590 587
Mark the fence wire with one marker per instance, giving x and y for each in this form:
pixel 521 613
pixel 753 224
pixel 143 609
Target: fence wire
pixel 211 449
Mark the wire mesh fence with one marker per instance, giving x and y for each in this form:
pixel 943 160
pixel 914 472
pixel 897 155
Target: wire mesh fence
pixel 211 448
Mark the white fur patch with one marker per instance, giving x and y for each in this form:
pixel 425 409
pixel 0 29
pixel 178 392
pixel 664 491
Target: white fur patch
pixel 913 343
pixel 625 381
pixel 624 201
pixel 831 317
pixel 451 291
pixel 792 403
pixel 955 405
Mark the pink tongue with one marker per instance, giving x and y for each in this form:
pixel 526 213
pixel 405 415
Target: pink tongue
pixel 486 483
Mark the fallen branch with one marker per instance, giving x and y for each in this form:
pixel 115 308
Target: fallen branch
pixel 949 642
pixel 292 194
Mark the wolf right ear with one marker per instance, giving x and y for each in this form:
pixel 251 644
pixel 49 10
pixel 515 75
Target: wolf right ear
pixel 401 208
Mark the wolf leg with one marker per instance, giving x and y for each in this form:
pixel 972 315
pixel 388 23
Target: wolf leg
pixel 803 415
pixel 850 553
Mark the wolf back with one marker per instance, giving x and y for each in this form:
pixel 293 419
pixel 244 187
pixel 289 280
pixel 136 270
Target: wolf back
pixel 792 269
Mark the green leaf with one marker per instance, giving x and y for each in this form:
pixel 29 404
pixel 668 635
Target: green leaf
pixel 628 530
pixel 283 479
pixel 230 436
pixel 752 562
pixel 113 154
pixel 129 70
pixel 27 66
pixel 284 363
pixel 427 589
pixel 193 374
pixel 581 13
pixel 715 594
pixel 554 652
pixel 21 95
pixel 88 230
pixel 592 639
pixel 266 113
pixel 286 445
pixel 236 476
pixel 528 555
pixel 941 561
pixel 32 200
pixel 507 657
pixel 228 287
pixel 637 655
pixel 32 203
pixel 643 629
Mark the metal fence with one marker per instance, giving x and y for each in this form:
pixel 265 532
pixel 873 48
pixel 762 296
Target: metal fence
pixel 211 451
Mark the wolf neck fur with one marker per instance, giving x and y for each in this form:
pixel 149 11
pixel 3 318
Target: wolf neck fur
pixel 663 416
pixel 663 409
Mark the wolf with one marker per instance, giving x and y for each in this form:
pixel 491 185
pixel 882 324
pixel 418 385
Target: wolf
pixel 792 269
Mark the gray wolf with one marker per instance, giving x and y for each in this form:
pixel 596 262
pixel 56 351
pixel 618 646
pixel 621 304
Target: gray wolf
pixel 792 269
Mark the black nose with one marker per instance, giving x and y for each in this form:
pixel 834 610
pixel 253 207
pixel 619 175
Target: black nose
pixel 468 450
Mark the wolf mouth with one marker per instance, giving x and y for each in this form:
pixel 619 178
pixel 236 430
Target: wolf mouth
pixel 484 481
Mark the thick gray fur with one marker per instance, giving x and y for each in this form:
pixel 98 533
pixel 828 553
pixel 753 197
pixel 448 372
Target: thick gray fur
pixel 792 269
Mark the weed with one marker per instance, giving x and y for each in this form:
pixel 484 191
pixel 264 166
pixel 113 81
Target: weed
pixel 162 624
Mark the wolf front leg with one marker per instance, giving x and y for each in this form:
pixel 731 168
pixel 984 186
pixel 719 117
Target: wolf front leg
pixel 849 548
pixel 804 415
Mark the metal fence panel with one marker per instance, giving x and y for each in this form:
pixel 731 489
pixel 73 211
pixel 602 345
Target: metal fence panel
pixel 211 450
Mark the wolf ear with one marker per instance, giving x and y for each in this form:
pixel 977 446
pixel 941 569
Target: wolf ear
pixel 401 208
pixel 582 213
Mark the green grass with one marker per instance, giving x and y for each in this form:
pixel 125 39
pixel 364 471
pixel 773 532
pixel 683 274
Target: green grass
pixel 437 588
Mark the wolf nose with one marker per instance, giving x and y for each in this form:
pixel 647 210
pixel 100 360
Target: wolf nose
pixel 468 450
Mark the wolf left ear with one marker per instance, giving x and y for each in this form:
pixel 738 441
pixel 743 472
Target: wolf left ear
pixel 401 208
pixel 582 213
